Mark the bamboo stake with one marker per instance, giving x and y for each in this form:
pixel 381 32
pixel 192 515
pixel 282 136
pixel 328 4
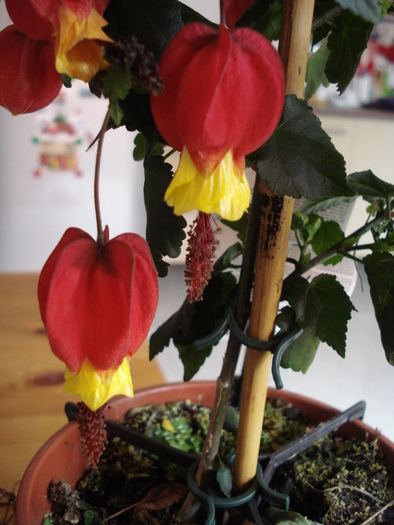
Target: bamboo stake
pixel 276 213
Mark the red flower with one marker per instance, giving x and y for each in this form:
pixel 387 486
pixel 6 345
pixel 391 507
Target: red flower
pixel 48 38
pixel 222 99
pixel 97 304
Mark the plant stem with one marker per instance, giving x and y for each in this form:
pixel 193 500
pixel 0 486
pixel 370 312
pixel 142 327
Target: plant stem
pixel 100 233
pixel 338 248
pixel 222 13
pixel 372 518
pixel 327 17
pixel 241 314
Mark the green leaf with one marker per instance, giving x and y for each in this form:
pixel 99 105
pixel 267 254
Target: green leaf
pixel 265 17
pixel 301 353
pixel 141 146
pixel 379 268
pixel 192 359
pixel 282 517
pixel 381 246
pixel 164 230
pixel 313 206
pixel 225 261
pixel 240 226
pixel 369 186
pixel 299 159
pixel 225 480
pixel 346 43
pixel 315 71
pixel 92 518
pixel 152 22
pixel 327 235
pixel 323 306
pixel 369 10
pixel 194 321
pixel 161 338
pixel 116 84
pixel 306 225
pixel 137 115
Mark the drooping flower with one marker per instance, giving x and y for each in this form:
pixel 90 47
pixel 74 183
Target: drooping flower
pixel 222 99
pixel 48 38
pixel 97 303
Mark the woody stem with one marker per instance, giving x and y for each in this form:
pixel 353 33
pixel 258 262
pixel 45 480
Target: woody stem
pixel 100 233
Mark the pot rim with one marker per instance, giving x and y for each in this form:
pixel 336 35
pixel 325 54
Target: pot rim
pixel 199 391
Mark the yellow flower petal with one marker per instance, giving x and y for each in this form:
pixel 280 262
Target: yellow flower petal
pixel 224 192
pixel 95 387
pixel 77 54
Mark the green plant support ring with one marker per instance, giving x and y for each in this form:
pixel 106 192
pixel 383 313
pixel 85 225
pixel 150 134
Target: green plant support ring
pixel 258 485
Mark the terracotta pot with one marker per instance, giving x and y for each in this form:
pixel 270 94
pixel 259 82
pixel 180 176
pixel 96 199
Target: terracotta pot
pixel 60 457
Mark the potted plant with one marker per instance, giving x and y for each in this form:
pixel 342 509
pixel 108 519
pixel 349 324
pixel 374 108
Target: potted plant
pixel 224 98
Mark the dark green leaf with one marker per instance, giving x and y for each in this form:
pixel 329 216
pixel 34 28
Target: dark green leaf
pixel 161 338
pixel 381 246
pixel 194 321
pixel 139 147
pixel 299 159
pixel 367 9
pixel 225 480
pixel 137 115
pixel 227 258
pixel 327 235
pixel 164 230
pixel 152 22
pixel 192 359
pixel 301 353
pixel 379 268
pixel 92 518
pixel 265 17
pixel 323 306
pixel 346 43
pixel 315 71
pixel 139 151
pixel 239 226
pixel 368 185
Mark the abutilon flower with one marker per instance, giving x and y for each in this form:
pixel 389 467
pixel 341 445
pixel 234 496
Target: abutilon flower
pixel 48 38
pixel 97 303
pixel 222 99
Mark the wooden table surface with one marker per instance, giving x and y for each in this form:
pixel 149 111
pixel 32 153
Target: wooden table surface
pixel 31 379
